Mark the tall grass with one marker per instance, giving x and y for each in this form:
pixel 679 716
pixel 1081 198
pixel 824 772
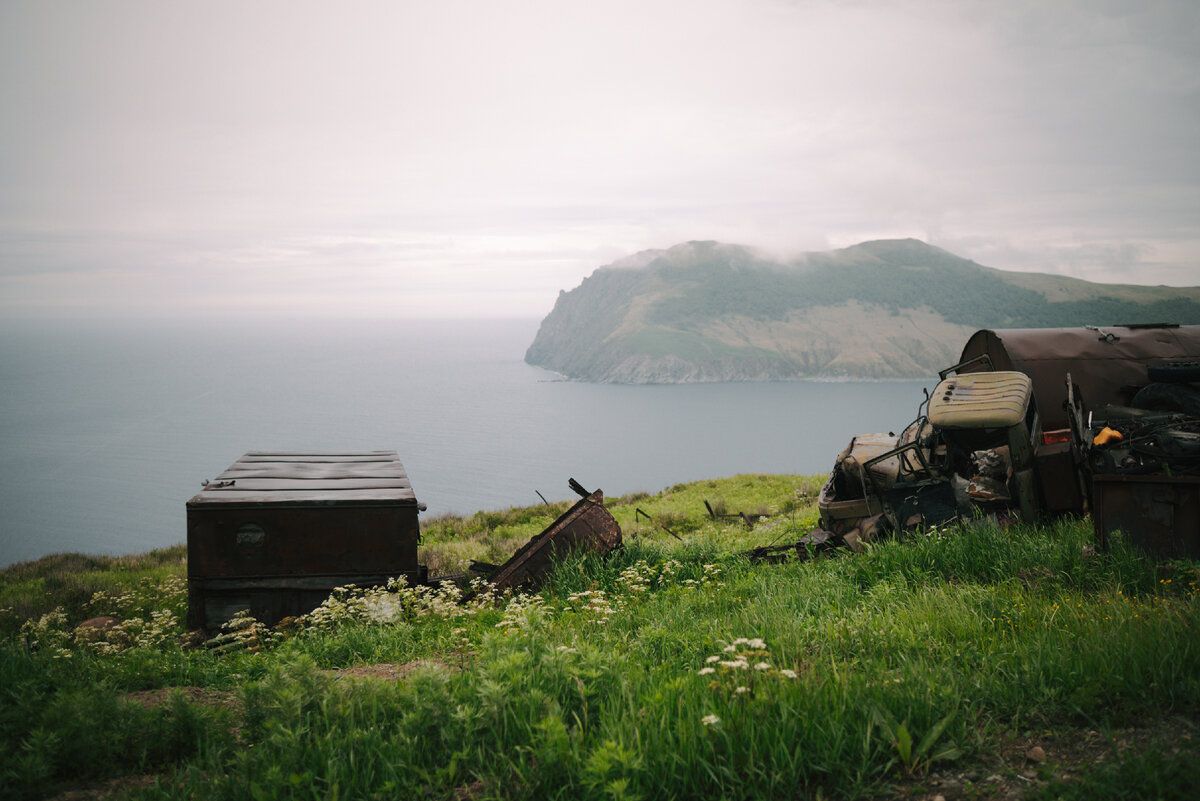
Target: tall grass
pixel 29 589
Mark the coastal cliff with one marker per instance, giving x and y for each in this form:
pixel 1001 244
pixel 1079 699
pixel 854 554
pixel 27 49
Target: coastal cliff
pixel 708 311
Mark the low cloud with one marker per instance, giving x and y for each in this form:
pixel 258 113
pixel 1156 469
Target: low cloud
pixel 432 158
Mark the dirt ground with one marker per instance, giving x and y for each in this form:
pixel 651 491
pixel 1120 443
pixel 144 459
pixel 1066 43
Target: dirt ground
pixel 197 695
pixel 390 671
pixel 1025 761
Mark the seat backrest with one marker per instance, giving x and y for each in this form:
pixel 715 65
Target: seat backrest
pixel 861 450
pixel 980 400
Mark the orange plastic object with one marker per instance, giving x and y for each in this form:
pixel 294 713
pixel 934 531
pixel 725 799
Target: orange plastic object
pixel 1107 435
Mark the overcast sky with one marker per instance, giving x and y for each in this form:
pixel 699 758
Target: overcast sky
pixel 449 158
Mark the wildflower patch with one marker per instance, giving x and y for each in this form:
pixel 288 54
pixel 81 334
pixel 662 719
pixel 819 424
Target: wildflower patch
pixel 742 669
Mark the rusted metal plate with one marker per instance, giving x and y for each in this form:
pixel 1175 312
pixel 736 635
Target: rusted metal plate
pixel 317 458
pixel 1058 478
pixel 1158 513
pixel 287 484
pixel 296 471
pixel 305 471
pixel 1106 363
pixel 278 544
pixel 324 497
pixel 586 525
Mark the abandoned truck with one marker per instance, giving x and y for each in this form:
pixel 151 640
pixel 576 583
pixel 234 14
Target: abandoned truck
pixel 1038 422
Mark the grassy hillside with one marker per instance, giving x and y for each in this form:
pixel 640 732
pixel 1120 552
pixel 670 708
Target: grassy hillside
pixel 711 311
pixel 973 662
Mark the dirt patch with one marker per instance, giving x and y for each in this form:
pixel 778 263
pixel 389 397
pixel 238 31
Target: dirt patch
pixel 390 671
pixel 112 788
pixel 1022 762
pixel 469 792
pixel 197 695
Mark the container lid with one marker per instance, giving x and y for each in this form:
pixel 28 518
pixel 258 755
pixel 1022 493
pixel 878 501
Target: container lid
pixel 358 478
pixel 981 400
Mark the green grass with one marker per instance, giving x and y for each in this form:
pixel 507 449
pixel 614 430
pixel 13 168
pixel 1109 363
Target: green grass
pixel 30 589
pixel 642 675
pixel 658 341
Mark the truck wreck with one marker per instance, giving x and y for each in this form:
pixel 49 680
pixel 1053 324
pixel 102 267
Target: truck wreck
pixel 1005 434
pixel 971 444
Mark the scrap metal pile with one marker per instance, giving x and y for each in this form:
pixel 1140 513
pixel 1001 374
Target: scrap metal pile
pixel 968 453
pixel 1141 470
pixel 1005 436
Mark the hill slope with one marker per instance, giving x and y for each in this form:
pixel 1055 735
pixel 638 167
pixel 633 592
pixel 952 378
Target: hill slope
pixel 707 311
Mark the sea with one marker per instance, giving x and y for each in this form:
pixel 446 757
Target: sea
pixel 107 428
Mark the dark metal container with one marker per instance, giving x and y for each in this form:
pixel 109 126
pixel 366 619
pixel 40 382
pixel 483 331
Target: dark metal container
pixel 276 532
pixel 1158 513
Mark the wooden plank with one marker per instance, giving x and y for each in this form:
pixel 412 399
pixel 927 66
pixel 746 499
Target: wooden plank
pixel 301 470
pixel 283 456
pixel 403 497
pixel 306 582
pixel 306 484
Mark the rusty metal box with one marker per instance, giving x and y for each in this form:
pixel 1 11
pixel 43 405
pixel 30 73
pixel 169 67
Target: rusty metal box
pixel 277 531
pixel 1157 513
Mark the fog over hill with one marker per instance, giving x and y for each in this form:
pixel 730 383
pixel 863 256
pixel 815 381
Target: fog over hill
pixel 709 311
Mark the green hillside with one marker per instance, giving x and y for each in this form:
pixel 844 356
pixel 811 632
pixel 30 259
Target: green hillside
pixel 707 311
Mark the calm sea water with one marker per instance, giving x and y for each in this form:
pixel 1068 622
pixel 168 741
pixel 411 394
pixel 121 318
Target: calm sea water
pixel 106 430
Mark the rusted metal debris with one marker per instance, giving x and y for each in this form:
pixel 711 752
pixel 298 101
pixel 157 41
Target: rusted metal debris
pixel 813 544
pixel 587 525
pixel 1003 434
pixel 748 519
pixel 1159 513
pixel 1141 473
pixel 639 513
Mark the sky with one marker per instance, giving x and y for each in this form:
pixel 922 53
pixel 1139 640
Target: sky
pixel 472 159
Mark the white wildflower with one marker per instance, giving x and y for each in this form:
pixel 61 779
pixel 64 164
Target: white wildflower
pixel 762 666
pixel 710 720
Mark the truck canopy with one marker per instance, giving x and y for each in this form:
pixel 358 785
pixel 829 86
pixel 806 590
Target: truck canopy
pixel 1108 363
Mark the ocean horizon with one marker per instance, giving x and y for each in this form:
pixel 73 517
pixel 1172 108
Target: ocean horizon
pixel 109 427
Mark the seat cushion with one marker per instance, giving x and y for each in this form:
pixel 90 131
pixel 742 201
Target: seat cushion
pixel 981 400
